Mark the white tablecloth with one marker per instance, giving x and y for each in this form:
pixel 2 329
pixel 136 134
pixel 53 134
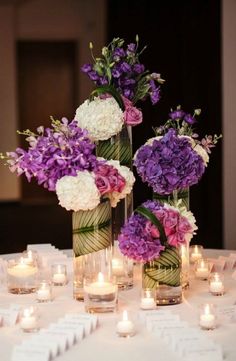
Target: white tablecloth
pixel 103 344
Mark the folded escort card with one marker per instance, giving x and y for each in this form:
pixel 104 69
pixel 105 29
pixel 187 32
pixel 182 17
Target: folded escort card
pixel 190 344
pixel 49 255
pixel 56 339
pixel 9 316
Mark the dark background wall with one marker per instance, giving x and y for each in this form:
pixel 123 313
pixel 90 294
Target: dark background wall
pixel 184 45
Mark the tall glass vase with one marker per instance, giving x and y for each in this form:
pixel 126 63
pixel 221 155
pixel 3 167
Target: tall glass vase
pixel 119 147
pixel 91 241
pixel 164 276
pixel 172 199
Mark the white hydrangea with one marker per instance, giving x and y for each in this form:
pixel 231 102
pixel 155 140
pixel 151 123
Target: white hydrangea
pixel 103 118
pixel 78 193
pixel 125 172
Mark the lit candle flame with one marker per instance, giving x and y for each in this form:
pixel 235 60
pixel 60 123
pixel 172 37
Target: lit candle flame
pixel 125 315
pixel 202 264
pixel 207 309
pixel 100 277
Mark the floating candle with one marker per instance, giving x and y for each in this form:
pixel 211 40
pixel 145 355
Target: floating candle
pixel 21 269
pixel 100 287
pixel 125 327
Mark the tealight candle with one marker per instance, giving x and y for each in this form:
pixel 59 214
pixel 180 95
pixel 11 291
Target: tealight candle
pixel 216 285
pixel 28 319
pixel 207 317
pixel 148 301
pixel 44 292
pixel 125 327
pixel 202 269
pixel 196 253
pixel 59 276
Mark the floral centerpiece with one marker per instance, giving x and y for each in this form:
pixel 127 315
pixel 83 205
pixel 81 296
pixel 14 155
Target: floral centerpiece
pixel 152 236
pixel 61 159
pixel 175 159
pixel 121 80
pixel 119 75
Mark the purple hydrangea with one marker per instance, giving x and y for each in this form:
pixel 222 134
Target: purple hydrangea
pixel 53 153
pixel 169 163
pixel 135 241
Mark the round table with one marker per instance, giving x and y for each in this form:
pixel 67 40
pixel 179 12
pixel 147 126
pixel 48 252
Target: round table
pixel 103 344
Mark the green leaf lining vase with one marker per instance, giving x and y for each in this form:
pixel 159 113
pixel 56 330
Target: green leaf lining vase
pixel 119 147
pixel 172 199
pixel 91 240
pixel 164 275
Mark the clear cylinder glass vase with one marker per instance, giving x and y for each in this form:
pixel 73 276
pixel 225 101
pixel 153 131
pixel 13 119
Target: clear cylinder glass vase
pixel 119 147
pixel 164 276
pixel 92 240
pixel 172 199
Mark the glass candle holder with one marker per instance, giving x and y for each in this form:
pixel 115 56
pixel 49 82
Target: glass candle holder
pixel 207 317
pixel 148 299
pixel 216 284
pixel 196 253
pixel 100 294
pixel 21 276
pixel 202 269
pixel 125 327
pixel 29 319
pixel 44 291
pixel 59 274
pixel 122 269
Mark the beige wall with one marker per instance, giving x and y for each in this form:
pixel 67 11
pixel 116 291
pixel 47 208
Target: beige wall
pixel 79 20
pixel 229 121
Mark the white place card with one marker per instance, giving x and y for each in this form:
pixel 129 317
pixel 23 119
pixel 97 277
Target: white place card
pixel 78 328
pixel 56 336
pixel 87 323
pixel 29 353
pixel 9 316
pixel 64 330
pixel 144 314
pixel 173 338
pixel 91 318
pixel 38 339
pixel 227 313
pixel 223 260
pixel 35 345
pixel 162 327
pixel 202 343
pixel 210 352
pixel 40 246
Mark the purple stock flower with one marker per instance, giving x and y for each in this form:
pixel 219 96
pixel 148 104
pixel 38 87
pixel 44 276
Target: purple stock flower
pixel 169 163
pixel 131 47
pixel 121 68
pixel 177 114
pixel 61 150
pixel 138 68
pixel 188 118
pixel 86 68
